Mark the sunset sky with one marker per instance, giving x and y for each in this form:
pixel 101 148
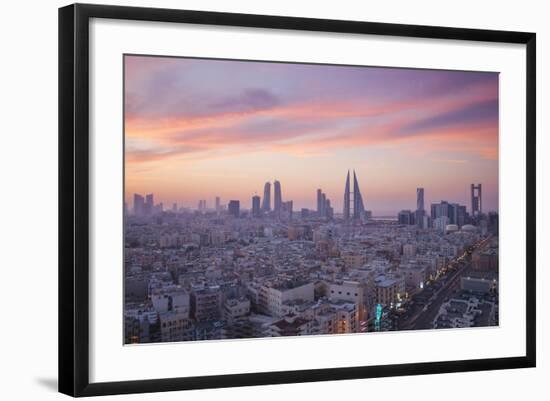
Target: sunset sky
pixel 196 129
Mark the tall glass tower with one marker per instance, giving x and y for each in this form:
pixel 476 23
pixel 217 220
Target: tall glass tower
pixel 256 206
pixel 266 204
pixel 419 198
pixel 277 197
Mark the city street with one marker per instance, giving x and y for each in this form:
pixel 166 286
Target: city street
pixel 423 317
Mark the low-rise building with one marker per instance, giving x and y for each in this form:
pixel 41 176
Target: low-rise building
pixel 351 291
pixel 206 303
pixel 175 326
pixel 388 290
pixel 272 298
pixel 172 298
pixel 290 325
pixel 485 260
pixel 236 308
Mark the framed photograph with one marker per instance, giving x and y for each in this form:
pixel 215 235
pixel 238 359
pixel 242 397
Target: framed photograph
pixel 251 199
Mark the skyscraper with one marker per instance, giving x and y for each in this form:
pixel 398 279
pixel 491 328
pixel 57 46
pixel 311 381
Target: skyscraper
pixel 139 205
pixel 405 217
pixel 328 210
pixel 420 213
pixel 358 207
pixel 347 199
pixel 149 204
pixel 476 200
pixel 202 205
pixel 286 210
pixel 234 208
pixel 457 214
pixel 266 204
pixel 419 198
pixel 441 209
pixel 218 206
pixel 256 206
pixel 353 200
pixel 324 209
pixel 277 197
pixel 320 202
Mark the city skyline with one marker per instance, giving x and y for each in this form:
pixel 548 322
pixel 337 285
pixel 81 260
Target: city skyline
pixel 307 200
pixel 321 199
pixel 302 125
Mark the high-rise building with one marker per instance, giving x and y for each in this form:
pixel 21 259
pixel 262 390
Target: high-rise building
pixel 234 208
pixel 149 204
pixel 419 198
pixel 347 199
pixel 256 212
pixel 320 202
pixel 328 210
pixel 493 222
pixel 358 206
pixel 419 218
pixel 405 217
pixel 266 204
pixel 353 200
pixel 139 205
pixel 455 213
pixel 324 209
pixel 202 205
pixel 175 207
pixel 277 197
pixel 440 223
pixel 462 216
pixel 420 212
pixel 440 209
pixel 476 200
pixel 286 210
pixel 218 205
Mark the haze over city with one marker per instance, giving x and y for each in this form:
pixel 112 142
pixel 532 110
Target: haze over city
pixel 279 200
pixel 196 129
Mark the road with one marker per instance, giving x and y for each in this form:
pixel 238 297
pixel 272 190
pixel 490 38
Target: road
pixel 423 318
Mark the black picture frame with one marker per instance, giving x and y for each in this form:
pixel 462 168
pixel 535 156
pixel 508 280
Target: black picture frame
pixel 74 198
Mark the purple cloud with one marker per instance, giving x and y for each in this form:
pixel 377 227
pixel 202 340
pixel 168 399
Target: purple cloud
pixel 486 111
pixel 249 100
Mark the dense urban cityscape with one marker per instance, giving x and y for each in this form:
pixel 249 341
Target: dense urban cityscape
pixel 220 271
pixel 271 199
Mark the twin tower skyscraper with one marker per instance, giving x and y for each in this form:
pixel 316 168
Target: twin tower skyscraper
pixel 354 209
pixel 277 198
